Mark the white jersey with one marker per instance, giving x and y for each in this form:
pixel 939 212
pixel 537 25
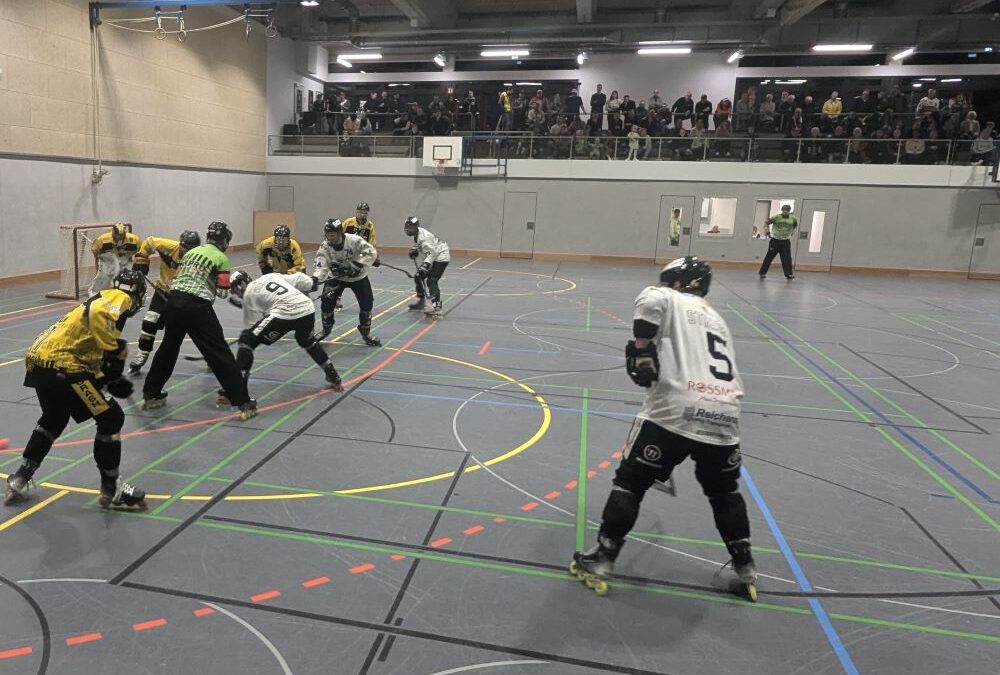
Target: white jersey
pixel 430 249
pixel 341 265
pixel 699 389
pixel 282 296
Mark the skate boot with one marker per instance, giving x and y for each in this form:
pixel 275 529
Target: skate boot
pixel 222 399
pixel 248 410
pixel 135 367
pixel 741 578
pixel 153 401
pixel 593 567
pixel 433 311
pixel 328 321
pixel 332 377
pixel 121 495
pixel 417 306
pixel 19 484
pixel 371 340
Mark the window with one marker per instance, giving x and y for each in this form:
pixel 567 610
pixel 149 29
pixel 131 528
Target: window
pixel 718 217
pixel 676 218
pixel 816 232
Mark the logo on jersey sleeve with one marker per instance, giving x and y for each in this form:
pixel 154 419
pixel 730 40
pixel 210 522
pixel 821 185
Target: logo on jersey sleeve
pixel 652 453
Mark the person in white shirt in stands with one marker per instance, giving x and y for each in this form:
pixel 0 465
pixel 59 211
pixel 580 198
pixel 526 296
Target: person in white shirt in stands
pixel 929 104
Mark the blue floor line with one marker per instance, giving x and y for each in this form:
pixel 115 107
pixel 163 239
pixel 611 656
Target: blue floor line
pixel 800 577
pixel 900 430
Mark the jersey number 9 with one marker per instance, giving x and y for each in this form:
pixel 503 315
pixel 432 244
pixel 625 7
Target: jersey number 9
pixel 278 289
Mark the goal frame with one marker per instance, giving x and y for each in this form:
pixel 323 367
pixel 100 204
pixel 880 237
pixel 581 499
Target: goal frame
pixel 70 284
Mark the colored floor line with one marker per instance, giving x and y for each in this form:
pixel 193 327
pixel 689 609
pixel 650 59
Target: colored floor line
pixel 486 345
pixel 581 493
pixel 800 577
pixel 587 323
pixel 962 330
pixel 468 265
pixel 951 338
pixel 10 522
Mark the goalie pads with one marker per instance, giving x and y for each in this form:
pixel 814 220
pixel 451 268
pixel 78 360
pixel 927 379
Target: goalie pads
pixel 642 363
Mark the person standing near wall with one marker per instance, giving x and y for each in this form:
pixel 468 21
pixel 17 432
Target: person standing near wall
pixel 506 109
pixel 597 102
pixel 778 229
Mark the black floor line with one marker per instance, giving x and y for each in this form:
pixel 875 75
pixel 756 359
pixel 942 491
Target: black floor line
pixel 43 623
pixel 916 390
pixel 960 364
pixel 819 478
pixel 414 564
pixel 384 654
pixel 392 422
pixel 394 443
pixel 554 273
pixel 466 297
pixel 395 630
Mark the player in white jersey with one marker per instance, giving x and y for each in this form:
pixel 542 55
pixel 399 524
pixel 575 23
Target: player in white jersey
pixel 433 255
pixel 342 262
pixel 683 355
pixel 273 305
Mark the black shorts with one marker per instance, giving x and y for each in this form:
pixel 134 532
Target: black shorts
pixel 79 395
pixel 270 329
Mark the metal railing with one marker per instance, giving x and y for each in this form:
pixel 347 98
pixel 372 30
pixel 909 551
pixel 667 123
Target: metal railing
pixel 708 148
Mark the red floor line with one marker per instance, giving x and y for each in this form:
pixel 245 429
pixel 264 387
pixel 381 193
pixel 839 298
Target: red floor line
pixel 266 595
pixel 529 506
pixel 591 473
pixel 604 465
pixel 397 556
pixel 318 581
pixel 360 569
pixel 443 541
pixel 62 307
pixel 552 495
pixel 570 485
pixel 83 639
pixel 146 625
pixel 617 455
pixel 475 529
pixel 498 519
pixel 11 653
pixel 486 345
pixel 203 611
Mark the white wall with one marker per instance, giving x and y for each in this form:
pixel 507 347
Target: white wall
pixel 637 76
pixel 36 197
pixel 282 75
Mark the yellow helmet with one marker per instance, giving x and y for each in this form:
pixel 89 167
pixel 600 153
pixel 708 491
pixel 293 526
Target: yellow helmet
pixel 118 232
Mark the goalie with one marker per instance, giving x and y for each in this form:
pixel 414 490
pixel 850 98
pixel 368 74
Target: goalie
pixel 274 305
pixel 280 253
pixel 113 251
pixel 342 262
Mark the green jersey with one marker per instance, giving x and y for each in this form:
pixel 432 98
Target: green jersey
pixel 782 226
pixel 203 270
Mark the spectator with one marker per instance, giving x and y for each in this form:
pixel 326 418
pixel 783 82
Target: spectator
pixel 914 148
pixel 832 108
pixel 784 110
pixel 351 125
pixel 628 109
pixel 791 149
pixel 646 143
pixel 573 106
pixel 364 124
pixel 864 104
pixel 597 102
pixel 809 111
pixel 418 117
pixel 400 124
pixel 699 142
pixel 838 151
pixel 641 114
pixel 929 104
pixel 797 123
pixel 556 105
pixel 723 112
pixel 743 112
pixel 936 150
pixel 702 110
pixel 322 120
pixel 765 119
pixel 655 101
pixel 536 119
pixel 520 110
pixel 883 109
pixel 396 105
pixel 595 123
pixel 436 105
pixel 897 102
pixel 675 227
pixel 814 150
pixel 441 124
pixel 505 100
pixel 382 109
pixel 540 101
pixel 682 109
pixel 342 107
pixel 859 149
pixel 614 105
pixel 656 122
pixel 982 147
pixel 722 146
pixel 633 142
pixel 970 125
pixel 471 109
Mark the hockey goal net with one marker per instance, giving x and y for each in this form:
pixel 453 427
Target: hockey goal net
pixel 77 264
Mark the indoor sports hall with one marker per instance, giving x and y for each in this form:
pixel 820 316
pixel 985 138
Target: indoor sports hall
pixel 535 247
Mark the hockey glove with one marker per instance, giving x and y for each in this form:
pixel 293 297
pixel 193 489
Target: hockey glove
pixel 266 269
pixel 120 387
pixel 141 268
pixel 113 361
pixel 642 364
pixel 315 284
pixel 424 270
pixel 377 262
pixel 236 302
pixel 356 269
pixel 414 253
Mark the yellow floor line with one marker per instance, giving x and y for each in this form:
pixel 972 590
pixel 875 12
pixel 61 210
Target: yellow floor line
pixel 27 512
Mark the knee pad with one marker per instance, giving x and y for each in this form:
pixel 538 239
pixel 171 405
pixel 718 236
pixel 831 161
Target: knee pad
pixel 111 421
pixel 329 292
pixel 45 433
pixel 150 322
pixel 146 339
pixel 365 318
pixel 620 513
pixel 633 478
pixel 244 357
pixel 720 481
pixel 317 353
pixel 108 438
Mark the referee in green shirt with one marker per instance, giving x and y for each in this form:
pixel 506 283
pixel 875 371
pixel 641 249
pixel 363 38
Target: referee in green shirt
pixel 779 231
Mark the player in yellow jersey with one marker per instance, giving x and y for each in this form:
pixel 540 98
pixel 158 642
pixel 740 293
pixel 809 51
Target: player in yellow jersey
pixel 171 252
pixel 112 251
pixel 280 253
pixel 68 366
pixel 363 226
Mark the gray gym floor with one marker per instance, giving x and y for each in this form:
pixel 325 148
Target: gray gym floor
pixel 421 522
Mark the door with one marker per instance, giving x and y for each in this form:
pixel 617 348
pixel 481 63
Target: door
pixel 985 261
pixel 673 241
pixel 517 233
pixel 280 198
pixel 813 250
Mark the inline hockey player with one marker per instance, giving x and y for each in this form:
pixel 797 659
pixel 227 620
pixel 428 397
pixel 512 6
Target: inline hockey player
pixel 171 252
pixel 342 262
pixel 280 253
pixel 68 366
pixel 274 305
pixel 433 255
pixel 363 226
pixel 204 275
pixel 683 355
pixel 113 251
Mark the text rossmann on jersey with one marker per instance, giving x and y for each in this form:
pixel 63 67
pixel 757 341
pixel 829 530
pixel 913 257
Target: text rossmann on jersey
pixel 715 389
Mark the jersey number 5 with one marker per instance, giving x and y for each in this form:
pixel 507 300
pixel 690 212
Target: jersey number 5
pixel 278 289
pixel 719 355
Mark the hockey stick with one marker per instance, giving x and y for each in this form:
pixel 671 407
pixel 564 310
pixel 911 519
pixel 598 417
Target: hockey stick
pixel 398 269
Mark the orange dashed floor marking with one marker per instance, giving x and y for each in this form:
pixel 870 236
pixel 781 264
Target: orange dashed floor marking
pixel 360 569
pixel 318 581
pixel 475 529
pixel 82 639
pixel 147 625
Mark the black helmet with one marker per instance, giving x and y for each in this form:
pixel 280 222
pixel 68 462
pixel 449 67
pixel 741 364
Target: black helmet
pixel 189 239
pixel 132 282
pixel 687 275
pixel 282 236
pixel 410 226
pixel 238 282
pixel 218 234
pixel 361 213
pixel 363 206
pixel 333 232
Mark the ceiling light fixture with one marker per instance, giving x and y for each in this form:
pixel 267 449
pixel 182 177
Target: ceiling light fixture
pixel 440 60
pixel 953 79
pixel 790 81
pixel 917 85
pixel 360 56
pixel 663 51
pixel 309 3
pixel 512 53
pixel 345 63
pixel 735 56
pixel 842 48
pixel 400 84
pixel 928 79
pixel 903 54
pixel 528 84
pixel 581 58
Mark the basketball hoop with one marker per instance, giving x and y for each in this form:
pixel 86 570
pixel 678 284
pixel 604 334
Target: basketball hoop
pixel 440 166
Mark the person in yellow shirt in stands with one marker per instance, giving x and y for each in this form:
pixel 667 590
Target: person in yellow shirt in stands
pixel 832 108
pixel 507 118
pixel 280 253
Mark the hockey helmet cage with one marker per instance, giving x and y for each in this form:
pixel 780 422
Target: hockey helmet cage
pixel 189 239
pixel 282 236
pixel 219 234
pixel 333 232
pixel 410 226
pixel 688 275
pixel 238 282
pixel 118 232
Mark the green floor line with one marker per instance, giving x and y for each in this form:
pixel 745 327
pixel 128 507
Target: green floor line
pixel 565 577
pixel 963 331
pixel 581 485
pixel 950 337
pixel 587 325
pixel 879 430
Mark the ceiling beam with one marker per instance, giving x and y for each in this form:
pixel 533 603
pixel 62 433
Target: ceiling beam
pixel 786 11
pixel 960 6
pixel 585 10
pixel 428 13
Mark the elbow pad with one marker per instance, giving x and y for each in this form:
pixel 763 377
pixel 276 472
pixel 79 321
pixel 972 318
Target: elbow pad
pixel 642 364
pixel 142 268
pixel 644 329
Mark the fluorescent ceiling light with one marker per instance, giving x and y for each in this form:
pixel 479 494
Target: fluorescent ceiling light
pixel 988 49
pixel 528 84
pixel 656 51
pixel 928 79
pixel 580 58
pixel 361 56
pixel 397 84
pixel 790 81
pixel 903 54
pixel 345 63
pixel 440 60
pixel 735 56
pixel 953 79
pixel 309 3
pixel 664 42
pixel 765 81
pixel 917 85
pixel 508 84
pixel 504 52
pixel 842 48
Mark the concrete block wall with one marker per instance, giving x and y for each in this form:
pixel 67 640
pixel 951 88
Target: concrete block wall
pixel 201 103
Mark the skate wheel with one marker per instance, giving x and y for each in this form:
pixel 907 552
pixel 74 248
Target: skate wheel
pixel 752 592
pixel 574 569
pixel 600 587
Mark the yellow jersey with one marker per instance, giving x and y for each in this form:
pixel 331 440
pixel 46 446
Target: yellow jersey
pixel 105 243
pixel 76 344
pixel 366 231
pixel 169 251
pixel 289 261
